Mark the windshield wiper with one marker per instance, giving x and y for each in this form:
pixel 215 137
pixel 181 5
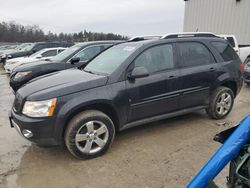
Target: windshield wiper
pixel 88 71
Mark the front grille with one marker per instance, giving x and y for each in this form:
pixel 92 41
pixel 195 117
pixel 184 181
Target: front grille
pixel 17 103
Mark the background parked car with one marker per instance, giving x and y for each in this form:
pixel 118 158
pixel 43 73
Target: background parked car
pixel 12 49
pixel 34 48
pixel 242 50
pixel 44 54
pixel 75 56
pixel 246 74
pixel 127 85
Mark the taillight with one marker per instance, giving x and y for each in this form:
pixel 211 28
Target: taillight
pixel 242 67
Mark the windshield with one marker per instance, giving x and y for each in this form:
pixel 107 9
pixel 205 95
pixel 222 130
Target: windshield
pixel 37 53
pixel 66 53
pixel 108 61
pixel 23 46
pixel 28 47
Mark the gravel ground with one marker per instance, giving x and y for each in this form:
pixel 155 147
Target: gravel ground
pixel 162 154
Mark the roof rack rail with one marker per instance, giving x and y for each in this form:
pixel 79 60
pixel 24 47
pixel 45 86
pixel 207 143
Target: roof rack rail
pixel 188 34
pixel 148 37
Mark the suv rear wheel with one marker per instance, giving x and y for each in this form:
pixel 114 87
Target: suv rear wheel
pixel 89 134
pixel 221 103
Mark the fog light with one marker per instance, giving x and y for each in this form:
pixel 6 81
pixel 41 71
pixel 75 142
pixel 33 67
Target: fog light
pixel 27 133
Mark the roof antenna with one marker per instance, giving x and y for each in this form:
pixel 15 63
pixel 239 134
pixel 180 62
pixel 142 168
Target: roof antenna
pixel 197 29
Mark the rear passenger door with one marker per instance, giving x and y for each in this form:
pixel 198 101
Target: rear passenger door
pixel 157 93
pixel 198 73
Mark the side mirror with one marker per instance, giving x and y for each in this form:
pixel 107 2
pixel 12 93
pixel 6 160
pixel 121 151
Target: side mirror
pixel 74 60
pixel 39 56
pixel 34 50
pixel 138 72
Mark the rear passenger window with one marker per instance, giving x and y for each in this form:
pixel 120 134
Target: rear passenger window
pixel 195 54
pixel 156 59
pixel 225 50
pixel 231 41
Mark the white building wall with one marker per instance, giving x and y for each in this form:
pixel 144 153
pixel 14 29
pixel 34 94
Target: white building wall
pixel 220 17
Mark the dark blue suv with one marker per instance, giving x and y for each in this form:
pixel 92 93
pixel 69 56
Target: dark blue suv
pixel 129 84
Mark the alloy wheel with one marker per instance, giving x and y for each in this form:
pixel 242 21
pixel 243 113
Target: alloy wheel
pixel 91 137
pixel 224 104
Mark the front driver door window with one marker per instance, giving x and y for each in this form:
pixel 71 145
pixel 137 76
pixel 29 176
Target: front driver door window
pixel 88 53
pixel 49 53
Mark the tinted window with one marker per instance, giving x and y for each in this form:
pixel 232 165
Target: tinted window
pixel 231 41
pixel 156 59
pixel 40 47
pixel 49 53
pixel 194 54
pixel 88 53
pixel 66 53
pixel 225 50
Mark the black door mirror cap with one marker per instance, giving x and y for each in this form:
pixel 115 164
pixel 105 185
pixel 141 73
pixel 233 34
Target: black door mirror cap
pixel 75 60
pixel 138 72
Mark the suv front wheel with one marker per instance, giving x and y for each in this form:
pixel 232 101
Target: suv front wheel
pixel 221 103
pixel 89 134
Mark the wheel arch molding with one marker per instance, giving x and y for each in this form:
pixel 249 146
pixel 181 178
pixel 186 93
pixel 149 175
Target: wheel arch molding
pixel 68 111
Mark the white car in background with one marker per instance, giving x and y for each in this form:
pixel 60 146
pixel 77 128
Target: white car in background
pixel 242 50
pixel 44 54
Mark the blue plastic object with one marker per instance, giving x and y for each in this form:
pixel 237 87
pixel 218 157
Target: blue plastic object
pixel 227 152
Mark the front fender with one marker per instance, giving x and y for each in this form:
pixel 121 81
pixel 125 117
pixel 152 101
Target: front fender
pixel 71 104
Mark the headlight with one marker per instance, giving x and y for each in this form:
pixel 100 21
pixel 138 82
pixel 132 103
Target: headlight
pixel 4 56
pixel 20 75
pixel 39 108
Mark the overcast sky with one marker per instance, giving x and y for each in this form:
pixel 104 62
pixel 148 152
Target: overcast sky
pixel 127 17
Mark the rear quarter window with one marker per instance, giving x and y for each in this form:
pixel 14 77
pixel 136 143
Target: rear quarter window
pixel 231 41
pixel 225 50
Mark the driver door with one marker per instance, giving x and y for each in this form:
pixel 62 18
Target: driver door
pixel 157 93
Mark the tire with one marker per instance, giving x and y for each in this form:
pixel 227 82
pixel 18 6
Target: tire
pixel 247 60
pixel 232 175
pixel 216 104
pixel 89 134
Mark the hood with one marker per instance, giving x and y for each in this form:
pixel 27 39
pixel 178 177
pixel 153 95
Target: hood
pixel 61 83
pixel 8 51
pixel 18 59
pixel 19 54
pixel 29 66
pixel 26 59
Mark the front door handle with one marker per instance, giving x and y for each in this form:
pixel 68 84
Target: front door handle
pixel 171 77
pixel 212 69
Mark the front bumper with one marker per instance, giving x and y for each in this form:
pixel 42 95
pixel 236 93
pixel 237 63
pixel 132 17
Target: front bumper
pixel 7 68
pixel 3 60
pixel 42 129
